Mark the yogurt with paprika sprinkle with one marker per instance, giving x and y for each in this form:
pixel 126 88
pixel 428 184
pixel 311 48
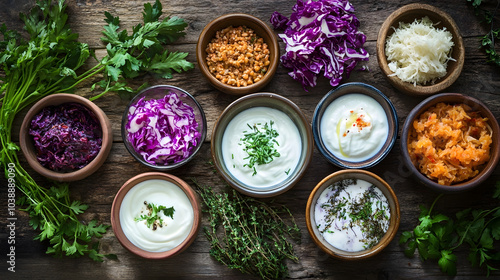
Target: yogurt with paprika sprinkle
pixel 354 127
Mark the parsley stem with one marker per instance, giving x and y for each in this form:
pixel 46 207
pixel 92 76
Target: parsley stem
pixel 434 202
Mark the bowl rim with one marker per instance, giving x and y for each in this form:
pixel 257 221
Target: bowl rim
pixel 131 150
pixel 280 187
pixel 27 147
pixel 392 118
pixel 132 182
pixel 273 48
pixel 394 220
pixel 409 88
pixel 453 98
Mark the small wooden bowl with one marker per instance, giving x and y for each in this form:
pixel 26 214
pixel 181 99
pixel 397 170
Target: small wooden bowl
pixel 235 20
pixel 117 227
pixel 441 19
pixel 28 148
pixel 353 174
pixel 452 98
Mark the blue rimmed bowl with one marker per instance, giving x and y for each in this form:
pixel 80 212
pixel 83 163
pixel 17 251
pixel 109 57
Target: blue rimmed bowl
pixel 338 155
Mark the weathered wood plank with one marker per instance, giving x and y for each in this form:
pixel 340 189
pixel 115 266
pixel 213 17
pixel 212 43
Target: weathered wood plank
pixel 478 79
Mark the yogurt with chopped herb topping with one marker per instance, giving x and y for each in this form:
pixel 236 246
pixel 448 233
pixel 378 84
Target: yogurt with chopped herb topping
pixel 354 127
pixel 287 143
pixel 352 215
pixel 171 231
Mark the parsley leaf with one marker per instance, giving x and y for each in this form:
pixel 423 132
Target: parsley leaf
pixel 153 220
pixel 437 236
pixel 143 51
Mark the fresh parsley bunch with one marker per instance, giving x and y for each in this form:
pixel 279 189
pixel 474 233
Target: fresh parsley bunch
pixel 48 62
pixel 437 236
pixel 143 51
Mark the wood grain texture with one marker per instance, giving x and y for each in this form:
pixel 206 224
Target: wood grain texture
pixel 478 79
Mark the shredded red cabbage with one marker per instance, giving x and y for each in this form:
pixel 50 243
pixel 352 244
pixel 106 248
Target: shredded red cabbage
pixel 163 131
pixel 67 137
pixel 321 36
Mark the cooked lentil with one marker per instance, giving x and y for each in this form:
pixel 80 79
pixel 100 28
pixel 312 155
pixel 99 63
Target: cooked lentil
pixel 237 56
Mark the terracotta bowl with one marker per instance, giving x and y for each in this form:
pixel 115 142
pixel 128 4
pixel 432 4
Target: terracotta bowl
pixel 352 88
pixel 370 177
pixel 158 92
pixel 452 98
pixel 27 143
pixel 117 225
pixel 235 20
pixel 408 14
pixel 273 101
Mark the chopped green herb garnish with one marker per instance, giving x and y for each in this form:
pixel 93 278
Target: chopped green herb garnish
pixel 288 171
pixel 259 145
pixel 152 218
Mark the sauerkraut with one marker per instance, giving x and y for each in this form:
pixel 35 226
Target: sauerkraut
pixel 450 143
pixel 418 53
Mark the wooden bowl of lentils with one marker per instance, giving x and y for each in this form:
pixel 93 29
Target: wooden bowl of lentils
pixel 238 53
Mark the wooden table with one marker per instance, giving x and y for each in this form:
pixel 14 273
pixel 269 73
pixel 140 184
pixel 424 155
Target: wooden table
pixel 478 79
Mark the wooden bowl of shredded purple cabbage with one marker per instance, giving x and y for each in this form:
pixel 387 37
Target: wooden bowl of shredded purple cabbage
pixel 163 127
pixel 65 137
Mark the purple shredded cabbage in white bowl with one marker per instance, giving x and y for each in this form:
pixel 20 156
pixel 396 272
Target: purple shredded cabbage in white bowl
pixel 66 137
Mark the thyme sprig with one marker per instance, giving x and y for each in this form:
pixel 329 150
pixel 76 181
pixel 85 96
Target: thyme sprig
pixel 249 235
pixel 259 145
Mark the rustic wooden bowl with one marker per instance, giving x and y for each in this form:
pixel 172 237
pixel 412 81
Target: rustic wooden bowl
pixel 452 98
pixel 352 174
pixel 115 215
pixel 408 14
pixel 260 28
pixel 28 148
pixel 274 101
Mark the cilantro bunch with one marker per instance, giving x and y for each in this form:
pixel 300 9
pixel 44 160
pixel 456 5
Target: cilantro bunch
pixel 437 236
pixel 48 62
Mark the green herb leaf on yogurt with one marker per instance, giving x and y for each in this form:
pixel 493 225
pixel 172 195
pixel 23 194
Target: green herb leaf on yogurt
pixel 152 219
pixel 259 144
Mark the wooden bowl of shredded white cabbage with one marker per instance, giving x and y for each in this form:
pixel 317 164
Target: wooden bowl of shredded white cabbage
pixel 420 50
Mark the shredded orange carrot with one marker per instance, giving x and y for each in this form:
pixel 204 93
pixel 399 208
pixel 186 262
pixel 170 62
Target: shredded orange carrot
pixel 450 143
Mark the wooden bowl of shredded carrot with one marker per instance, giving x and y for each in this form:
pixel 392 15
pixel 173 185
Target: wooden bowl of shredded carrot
pixel 451 142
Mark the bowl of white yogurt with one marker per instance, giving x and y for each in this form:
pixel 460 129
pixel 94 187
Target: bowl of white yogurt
pixel 355 126
pixel 352 214
pixel 156 215
pixel 262 144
